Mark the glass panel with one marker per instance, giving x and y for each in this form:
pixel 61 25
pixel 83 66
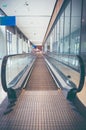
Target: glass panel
pixel 67 29
pixel 15 67
pixel 55 44
pixel 83 34
pixel 53 39
pixel 61 32
pixel 75 26
pixel 9 41
pixel 66 65
pixel 58 36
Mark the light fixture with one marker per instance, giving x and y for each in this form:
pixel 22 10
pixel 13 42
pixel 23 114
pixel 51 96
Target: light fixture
pixel 26 3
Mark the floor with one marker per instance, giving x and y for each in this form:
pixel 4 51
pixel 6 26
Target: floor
pixel 41 106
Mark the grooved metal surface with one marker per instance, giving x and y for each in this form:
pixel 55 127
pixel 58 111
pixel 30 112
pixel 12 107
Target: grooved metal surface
pixel 42 110
pixel 41 78
pixel 46 109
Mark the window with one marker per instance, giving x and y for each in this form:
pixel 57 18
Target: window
pixel 67 29
pixel 9 41
pixel 75 26
pixel 83 33
pixel 58 36
pixel 61 32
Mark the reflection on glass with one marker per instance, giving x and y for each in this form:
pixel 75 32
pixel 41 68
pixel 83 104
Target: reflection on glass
pixel 67 29
pixel 75 26
pixel 83 34
pixel 61 32
pixel 66 65
pixel 15 67
pixel 58 37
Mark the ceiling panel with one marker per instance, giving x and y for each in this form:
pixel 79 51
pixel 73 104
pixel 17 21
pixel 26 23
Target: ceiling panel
pixel 32 16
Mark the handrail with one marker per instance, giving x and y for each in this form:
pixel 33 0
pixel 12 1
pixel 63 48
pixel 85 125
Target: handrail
pixel 57 57
pixel 82 74
pixel 72 93
pixel 3 71
pixel 15 71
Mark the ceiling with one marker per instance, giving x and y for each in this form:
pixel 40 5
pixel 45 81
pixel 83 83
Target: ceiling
pixel 32 16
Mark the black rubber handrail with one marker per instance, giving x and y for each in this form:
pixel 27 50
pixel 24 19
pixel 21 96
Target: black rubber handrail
pixel 82 74
pixel 3 73
pixel 82 69
pixel 72 93
pixel 3 70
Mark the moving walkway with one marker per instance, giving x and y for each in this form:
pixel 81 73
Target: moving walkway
pixel 36 98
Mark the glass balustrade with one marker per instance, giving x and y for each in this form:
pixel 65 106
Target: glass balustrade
pixel 13 68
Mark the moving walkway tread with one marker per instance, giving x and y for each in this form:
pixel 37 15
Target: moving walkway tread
pixel 41 78
pixel 42 108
